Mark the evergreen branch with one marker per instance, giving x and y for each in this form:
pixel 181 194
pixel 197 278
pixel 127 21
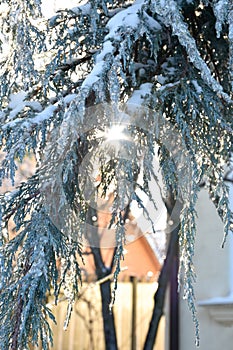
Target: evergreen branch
pixel 18 313
pixel 172 17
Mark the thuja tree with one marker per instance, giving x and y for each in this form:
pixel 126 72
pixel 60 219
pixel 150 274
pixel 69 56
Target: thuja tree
pixel 161 72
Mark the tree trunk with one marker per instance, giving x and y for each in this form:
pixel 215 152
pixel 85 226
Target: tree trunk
pixel 105 290
pixel 105 287
pixel 173 209
pixel 108 317
pixel 174 304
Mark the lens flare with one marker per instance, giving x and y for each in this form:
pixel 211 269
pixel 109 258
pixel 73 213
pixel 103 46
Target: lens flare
pixel 116 132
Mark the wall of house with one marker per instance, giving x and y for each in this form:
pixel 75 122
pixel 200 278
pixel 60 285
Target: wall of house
pixel 213 289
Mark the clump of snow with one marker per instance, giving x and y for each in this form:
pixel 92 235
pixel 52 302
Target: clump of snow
pixel 138 96
pixel 44 115
pixel 69 98
pixel 152 23
pixel 197 86
pixel 4 8
pixel 85 9
pixel 35 105
pixel 18 102
pixel 127 18
pixel 49 7
pixel 161 79
pixel 17 99
pixel 94 76
pixel 169 85
pixel 107 48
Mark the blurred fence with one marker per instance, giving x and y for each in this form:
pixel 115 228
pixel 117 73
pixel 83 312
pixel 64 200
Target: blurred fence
pixel 132 311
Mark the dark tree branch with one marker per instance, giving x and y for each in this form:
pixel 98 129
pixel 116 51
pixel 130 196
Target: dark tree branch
pixel 105 288
pixel 173 208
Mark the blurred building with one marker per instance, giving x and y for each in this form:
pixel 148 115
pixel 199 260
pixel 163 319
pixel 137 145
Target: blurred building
pixel 214 285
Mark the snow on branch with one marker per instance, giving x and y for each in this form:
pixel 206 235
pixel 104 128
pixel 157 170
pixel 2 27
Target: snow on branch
pixel 100 56
pixel 113 49
pixel 230 38
pixel 220 8
pixel 171 15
